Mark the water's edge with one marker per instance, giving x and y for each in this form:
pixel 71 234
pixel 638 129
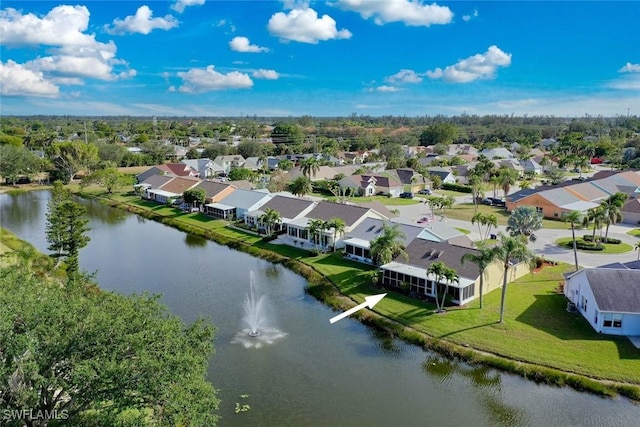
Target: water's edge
pixel 321 288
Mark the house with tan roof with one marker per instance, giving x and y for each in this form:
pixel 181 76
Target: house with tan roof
pixel 170 190
pixel 215 191
pixel 179 169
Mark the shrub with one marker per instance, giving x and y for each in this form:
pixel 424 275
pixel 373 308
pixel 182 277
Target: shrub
pixel 539 261
pixel 457 187
pixel 611 240
pixel 589 246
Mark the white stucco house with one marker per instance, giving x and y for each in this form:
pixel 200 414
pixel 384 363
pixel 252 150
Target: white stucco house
pixel 608 298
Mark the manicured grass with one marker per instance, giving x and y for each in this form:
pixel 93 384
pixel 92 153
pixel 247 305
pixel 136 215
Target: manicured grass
pixel 634 232
pixel 465 211
pixel 451 193
pixel 609 248
pixel 537 327
pixel 463 230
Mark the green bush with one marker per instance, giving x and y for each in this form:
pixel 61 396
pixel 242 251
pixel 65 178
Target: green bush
pixel 611 240
pixel 457 187
pixel 589 246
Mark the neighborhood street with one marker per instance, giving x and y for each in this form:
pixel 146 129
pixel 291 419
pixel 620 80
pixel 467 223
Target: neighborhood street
pixel 544 244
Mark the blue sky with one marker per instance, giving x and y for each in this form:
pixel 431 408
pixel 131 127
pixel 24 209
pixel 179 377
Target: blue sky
pixel 330 58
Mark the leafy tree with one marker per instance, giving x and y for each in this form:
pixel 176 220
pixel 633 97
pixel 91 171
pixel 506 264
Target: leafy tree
pixel 484 220
pixel 285 165
pixel 483 258
pixel 195 196
pixel 73 157
pixel 15 141
pixel 238 174
pixel 388 245
pixel 95 354
pixel 214 150
pixel 16 161
pixel 309 167
pixel 510 248
pixel 524 221
pixel 111 152
pixel 66 228
pixel 556 175
pixel 110 178
pixel 574 218
pixel 441 133
pixel 287 133
pixel 250 148
pixel 192 153
pixel 301 186
pixel 338 225
pixel 436 181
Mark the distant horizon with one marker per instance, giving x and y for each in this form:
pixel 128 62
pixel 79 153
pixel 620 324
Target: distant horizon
pixel 336 58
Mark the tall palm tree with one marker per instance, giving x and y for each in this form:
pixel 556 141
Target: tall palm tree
pixel 310 166
pixel 475 182
pixel 488 220
pixel 510 248
pixel 338 226
pixel 612 215
pixel 270 218
pixel 437 269
pixel 316 227
pixel 450 276
pixel 524 221
pixel 574 218
pixel 597 217
pixel 483 258
pixel 495 181
pixel 301 186
pixel 507 178
pixel 388 245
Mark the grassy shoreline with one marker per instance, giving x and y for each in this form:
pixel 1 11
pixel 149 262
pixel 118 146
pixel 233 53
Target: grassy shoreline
pixel 342 284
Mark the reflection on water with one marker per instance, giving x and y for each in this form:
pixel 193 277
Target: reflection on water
pixel 194 241
pixel 96 210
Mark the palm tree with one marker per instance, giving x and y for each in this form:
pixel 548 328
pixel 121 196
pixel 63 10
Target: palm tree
pixel 510 248
pixel 507 178
pixel 450 276
pixel 301 186
pixel 338 225
pixel 483 258
pixel 612 215
pixel 388 245
pixel 595 216
pixel 524 221
pixel 573 218
pixel 309 167
pixel 436 269
pixel 316 227
pixel 475 182
pixel 495 181
pixel 270 218
pixel 488 220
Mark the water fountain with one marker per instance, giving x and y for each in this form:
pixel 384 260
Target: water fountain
pixel 258 331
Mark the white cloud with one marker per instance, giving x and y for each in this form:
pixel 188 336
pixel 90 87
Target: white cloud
pixel 468 18
pixel 142 22
pixel 207 79
pixel 266 74
pixel 404 76
pixel 303 25
pixel 242 44
pixel 410 12
pixel 181 5
pixel 16 80
pixel 386 88
pixel 630 68
pixel 480 66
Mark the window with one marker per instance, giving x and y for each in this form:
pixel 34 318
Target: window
pixel 538 209
pixel 612 320
pixel 468 291
pixel 583 304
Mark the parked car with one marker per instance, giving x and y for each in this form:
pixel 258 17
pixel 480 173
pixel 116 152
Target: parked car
pixel 406 195
pixel 498 202
pixel 425 191
pixel 487 201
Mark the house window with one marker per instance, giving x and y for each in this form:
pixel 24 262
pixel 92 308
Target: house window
pixel 538 209
pixel 612 320
pixel 595 320
pixel 583 304
pixel 617 320
pixel 468 291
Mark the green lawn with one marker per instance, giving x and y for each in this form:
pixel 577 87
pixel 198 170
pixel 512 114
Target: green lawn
pixel 538 329
pixel 634 232
pixel 442 192
pixel 609 248
pixel 465 211
pixel 463 230
pixel 388 201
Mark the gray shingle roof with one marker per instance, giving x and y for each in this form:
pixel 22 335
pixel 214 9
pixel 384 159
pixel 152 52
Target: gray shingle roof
pixel 423 253
pixel 327 210
pixel 157 181
pixel 243 199
pixel 371 228
pixel 615 290
pixel 287 207
pixel 212 188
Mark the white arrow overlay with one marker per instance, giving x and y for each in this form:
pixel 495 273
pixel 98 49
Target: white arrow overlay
pixel 369 301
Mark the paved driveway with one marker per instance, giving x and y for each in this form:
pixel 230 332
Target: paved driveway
pixel 544 245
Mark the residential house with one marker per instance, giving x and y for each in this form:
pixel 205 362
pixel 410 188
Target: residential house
pixel 445 174
pixel 206 168
pixel 254 163
pixel 178 169
pixel 368 185
pixel 170 190
pixel 423 253
pixel 512 164
pixel 229 162
pixel 608 298
pixel 410 179
pixel 290 208
pixel 497 153
pixel 154 181
pixel 358 240
pixel 215 191
pixel 153 170
pixel 631 211
pixel 352 215
pixel 236 204
pixel 438 231
pixel 530 166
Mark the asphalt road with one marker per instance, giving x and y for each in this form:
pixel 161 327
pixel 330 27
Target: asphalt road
pixel 544 244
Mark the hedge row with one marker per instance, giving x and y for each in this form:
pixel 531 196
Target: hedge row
pixel 457 187
pixel 611 240
pixel 589 246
